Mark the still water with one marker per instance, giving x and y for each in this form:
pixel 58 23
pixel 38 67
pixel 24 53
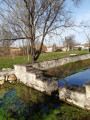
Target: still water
pixel 19 102
pixel 76 79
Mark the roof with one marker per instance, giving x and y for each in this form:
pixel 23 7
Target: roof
pixel 87 45
pixel 13 48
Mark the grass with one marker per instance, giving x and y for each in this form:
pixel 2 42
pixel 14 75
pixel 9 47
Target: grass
pixel 53 55
pixel 67 69
pixel 6 62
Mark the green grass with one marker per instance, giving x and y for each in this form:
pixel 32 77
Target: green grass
pixel 53 55
pixel 67 69
pixel 6 62
pixel 66 112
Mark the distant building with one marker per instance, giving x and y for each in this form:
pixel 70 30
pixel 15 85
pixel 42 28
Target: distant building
pixel 65 48
pixel 14 49
pixel 83 47
pixel 5 51
pixel 76 47
pixel 86 46
pixel 49 49
pixel 62 48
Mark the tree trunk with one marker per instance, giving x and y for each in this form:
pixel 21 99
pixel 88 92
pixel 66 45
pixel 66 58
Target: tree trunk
pixel 28 50
pixel 32 51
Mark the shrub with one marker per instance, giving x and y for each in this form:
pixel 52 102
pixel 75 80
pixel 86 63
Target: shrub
pixel 58 50
pixel 79 48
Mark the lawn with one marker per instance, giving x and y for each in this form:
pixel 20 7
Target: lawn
pixel 6 62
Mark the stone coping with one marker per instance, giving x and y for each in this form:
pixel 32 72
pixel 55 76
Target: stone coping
pixel 25 64
pixel 7 72
pixel 87 84
pixel 74 88
pixel 62 57
pixel 30 64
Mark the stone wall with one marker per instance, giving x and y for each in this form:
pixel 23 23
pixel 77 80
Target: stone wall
pixel 32 75
pixel 76 95
pixel 7 74
pixel 60 61
pixel 34 78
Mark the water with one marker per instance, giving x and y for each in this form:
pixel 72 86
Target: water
pixel 76 79
pixel 11 105
pixel 24 103
pixel 19 102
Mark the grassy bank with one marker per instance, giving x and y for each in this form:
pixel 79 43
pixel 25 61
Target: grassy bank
pixel 9 61
pixel 68 69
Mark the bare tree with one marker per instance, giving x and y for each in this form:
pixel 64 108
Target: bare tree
pixel 5 44
pixel 33 19
pixel 86 32
pixel 54 46
pixel 69 42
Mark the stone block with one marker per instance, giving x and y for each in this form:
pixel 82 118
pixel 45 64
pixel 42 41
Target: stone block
pixel 2 82
pixel 87 87
pixel 75 95
pixel 12 78
pixel 87 104
pixel 2 78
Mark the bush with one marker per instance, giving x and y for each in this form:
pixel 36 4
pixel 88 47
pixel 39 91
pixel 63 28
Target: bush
pixel 79 48
pixel 58 50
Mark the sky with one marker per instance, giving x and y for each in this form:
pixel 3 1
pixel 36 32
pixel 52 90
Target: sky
pixel 82 14
pixel 79 14
pixel 83 11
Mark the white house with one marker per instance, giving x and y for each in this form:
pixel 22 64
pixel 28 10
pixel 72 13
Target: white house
pixel 86 46
pixel 49 49
pixel 79 46
pixel 83 47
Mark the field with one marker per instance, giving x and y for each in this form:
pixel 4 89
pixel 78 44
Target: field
pixel 6 62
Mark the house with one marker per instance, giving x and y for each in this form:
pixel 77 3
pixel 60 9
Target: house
pixel 14 50
pixel 83 47
pixel 76 47
pixel 49 49
pixel 4 51
pixel 63 48
pixel 86 46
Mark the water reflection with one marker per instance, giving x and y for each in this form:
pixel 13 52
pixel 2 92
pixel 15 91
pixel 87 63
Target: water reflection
pixel 76 79
pixel 11 105
pixel 18 102
pixel 23 103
